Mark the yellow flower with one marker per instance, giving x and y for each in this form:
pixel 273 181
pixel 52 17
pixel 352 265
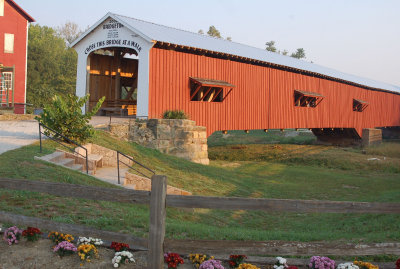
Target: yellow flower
pixel 87 251
pixel 366 265
pixel 247 266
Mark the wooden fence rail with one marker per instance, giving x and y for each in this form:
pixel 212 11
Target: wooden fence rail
pixel 158 201
pixel 227 203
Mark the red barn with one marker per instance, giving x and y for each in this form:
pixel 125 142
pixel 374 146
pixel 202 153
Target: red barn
pixel 14 23
pixel 149 68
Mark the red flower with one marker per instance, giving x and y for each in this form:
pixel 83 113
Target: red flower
pixel 119 246
pixel 292 267
pixel 236 260
pixel 398 264
pixel 31 233
pixel 172 260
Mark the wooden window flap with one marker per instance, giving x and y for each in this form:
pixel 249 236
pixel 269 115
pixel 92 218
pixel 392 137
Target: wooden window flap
pixel 209 90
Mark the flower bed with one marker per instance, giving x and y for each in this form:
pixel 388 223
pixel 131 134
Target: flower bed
pixel 87 250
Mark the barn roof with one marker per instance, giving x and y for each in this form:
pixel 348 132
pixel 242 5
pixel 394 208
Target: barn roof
pixel 161 33
pixel 21 11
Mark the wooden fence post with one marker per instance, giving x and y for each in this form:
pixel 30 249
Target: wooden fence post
pixel 157 222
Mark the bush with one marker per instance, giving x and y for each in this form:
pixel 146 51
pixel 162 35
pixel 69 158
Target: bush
pixel 64 115
pixel 175 114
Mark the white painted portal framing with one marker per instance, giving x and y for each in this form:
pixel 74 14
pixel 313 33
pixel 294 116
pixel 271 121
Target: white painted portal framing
pixel 112 32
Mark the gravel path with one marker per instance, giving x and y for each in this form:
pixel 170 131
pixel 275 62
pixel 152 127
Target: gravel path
pixel 15 134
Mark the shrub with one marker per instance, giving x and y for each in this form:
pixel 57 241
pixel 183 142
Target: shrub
pixel 64 115
pixel 175 114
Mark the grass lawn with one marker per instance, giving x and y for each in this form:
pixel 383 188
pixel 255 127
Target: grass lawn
pixel 267 170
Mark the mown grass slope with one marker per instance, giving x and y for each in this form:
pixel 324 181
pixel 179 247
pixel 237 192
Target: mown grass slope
pixel 269 171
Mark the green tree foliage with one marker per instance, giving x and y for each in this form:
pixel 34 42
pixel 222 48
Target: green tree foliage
pixel 51 66
pixel 64 115
pixel 270 46
pixel 213 31
pixel 299 54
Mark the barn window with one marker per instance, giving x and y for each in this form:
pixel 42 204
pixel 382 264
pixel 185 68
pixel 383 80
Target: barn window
pixel 7 82
pixel 209 90
pixel 307 99
pixel 359 105
pixel 8 43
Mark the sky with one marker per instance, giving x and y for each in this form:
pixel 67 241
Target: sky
pixel 360 37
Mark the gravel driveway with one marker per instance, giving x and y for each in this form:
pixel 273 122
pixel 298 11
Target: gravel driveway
pixel 15 134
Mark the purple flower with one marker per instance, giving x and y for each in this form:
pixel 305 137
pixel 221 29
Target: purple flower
pixel 12 235
pixel 211 264
pixel 317 262
pixel 64 248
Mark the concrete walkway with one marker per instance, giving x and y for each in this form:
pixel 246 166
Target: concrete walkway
pixel 15 134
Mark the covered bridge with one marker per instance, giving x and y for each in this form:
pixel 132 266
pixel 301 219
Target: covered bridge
pixel 148 68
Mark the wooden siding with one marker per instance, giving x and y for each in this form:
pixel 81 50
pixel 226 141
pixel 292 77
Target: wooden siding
pixel 263 97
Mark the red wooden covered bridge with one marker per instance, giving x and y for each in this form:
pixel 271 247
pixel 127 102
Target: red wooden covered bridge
pixel 223 85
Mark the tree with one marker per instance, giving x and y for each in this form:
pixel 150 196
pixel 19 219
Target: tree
pixel 51 66
pixel 64 115
pixel 270 46
pixel 69 31
pixel 299 54
pixel 212 31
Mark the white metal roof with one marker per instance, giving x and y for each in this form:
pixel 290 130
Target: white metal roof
pixel 171 35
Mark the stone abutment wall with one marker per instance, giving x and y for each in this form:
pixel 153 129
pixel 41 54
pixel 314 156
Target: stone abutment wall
pixel 181 138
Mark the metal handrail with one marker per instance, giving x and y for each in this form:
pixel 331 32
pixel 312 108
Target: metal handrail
pixel 59 142
pixel 131 167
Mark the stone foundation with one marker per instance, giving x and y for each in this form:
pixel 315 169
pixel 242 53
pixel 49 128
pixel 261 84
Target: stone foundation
pixel 181 138
pixel 371 137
